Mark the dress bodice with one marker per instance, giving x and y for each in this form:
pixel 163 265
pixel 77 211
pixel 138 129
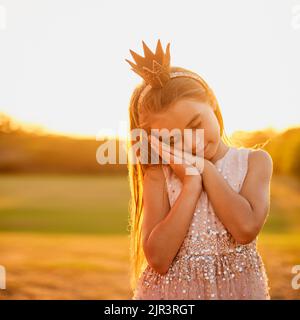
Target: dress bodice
pixel 206 234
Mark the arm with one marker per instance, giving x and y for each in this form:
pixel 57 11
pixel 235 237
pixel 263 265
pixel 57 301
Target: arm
pixel 164 229
pixel 243 214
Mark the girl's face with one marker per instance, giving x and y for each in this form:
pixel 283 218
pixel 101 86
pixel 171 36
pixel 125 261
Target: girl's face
pixel 191 114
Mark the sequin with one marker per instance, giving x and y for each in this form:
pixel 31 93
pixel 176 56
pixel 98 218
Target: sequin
pixel 210 264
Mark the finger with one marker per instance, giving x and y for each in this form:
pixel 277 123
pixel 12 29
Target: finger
pixel 164 151
pixel 192 171
pixel 176 154
pixel 198 162
pixel 191 159
pixel 166 156
pixel 155 144
pixel 171 149
pixel 157 151
pixel 173 155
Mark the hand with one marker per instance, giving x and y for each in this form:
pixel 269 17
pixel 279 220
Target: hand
pixel 185 170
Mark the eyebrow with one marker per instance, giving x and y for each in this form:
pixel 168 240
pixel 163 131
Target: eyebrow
pixel 193 119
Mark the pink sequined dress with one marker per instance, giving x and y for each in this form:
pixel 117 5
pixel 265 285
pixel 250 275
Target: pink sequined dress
pixel 210 264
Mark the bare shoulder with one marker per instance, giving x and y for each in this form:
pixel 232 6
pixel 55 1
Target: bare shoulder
pixel 261 162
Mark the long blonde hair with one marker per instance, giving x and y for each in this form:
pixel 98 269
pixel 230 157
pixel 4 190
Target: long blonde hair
pixel 155 101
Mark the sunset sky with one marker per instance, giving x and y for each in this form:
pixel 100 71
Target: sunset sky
pixel 63 62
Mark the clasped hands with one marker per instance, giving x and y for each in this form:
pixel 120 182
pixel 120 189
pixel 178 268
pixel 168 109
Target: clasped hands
pixel 185 165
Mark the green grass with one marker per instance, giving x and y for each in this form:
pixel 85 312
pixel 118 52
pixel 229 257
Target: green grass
pixel 64 204
pixel 99 205
pixel 65 237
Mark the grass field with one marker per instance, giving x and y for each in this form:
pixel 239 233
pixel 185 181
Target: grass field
pixel 63 204
pixel 64 237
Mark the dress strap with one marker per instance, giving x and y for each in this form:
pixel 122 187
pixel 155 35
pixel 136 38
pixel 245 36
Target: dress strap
pixel 243 165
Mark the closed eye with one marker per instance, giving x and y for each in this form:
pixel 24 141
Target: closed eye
pixel 196 125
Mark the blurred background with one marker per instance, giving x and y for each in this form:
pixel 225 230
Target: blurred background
pixel 65 89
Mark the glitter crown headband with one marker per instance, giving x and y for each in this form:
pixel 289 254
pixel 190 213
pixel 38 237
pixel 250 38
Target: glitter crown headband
pixel 154 68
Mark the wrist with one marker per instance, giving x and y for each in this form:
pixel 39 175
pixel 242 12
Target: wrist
pixel 206 166
pixel 193 184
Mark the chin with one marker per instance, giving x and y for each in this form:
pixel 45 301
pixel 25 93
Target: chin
pixel 210 151
pixel 207 149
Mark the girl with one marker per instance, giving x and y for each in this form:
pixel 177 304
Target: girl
pixel 193 236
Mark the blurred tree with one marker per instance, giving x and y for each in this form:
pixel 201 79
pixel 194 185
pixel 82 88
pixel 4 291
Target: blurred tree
pixel 7 125
pixel 295 167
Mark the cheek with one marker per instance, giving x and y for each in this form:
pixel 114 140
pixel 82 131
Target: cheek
pixel 199 139
pixel 191 140
pixel 196 141
pixel 212 129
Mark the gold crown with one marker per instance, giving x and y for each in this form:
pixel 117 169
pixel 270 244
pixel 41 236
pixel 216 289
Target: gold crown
pixel 154 68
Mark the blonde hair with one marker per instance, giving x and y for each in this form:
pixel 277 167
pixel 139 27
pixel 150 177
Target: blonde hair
pixel 155 101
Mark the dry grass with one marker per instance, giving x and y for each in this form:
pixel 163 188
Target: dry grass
pixel 47 266
pixel 65 266
pixel 55 243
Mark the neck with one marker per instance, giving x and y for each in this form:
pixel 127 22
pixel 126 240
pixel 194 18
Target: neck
pixel 220 153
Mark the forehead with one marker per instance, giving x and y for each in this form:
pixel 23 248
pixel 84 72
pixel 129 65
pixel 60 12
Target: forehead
pixel 179 114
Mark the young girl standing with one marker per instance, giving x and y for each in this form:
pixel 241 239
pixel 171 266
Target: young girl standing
pixel 193 236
